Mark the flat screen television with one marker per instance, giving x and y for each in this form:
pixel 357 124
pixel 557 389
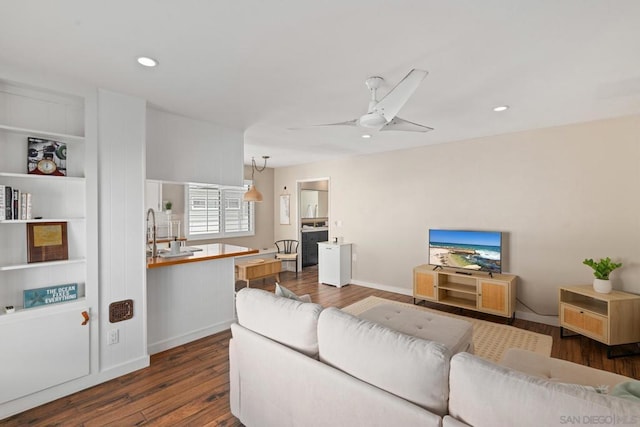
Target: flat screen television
pixel 466 250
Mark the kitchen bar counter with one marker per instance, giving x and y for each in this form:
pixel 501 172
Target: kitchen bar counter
pixel 188 299
pixel 208 252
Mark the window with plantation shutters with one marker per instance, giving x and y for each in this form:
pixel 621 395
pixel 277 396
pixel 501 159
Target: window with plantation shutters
pixel 237 213
pixel 216 212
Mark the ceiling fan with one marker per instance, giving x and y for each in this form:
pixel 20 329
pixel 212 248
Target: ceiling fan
pixel 382 114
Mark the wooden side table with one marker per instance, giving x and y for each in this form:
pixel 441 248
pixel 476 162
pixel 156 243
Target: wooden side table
pixel 258 269
pixel 613 319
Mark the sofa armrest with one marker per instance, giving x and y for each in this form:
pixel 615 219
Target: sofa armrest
pixel 558 370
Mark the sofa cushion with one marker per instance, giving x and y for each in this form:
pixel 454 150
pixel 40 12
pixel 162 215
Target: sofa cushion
pixel 486 394
pixel 287 321
pixel 558 370
pixel 273 385
pixel 409 367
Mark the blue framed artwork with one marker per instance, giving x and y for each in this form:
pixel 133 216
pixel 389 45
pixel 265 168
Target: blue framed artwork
pixel 50 295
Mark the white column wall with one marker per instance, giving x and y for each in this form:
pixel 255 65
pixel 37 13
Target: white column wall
pixel 121 150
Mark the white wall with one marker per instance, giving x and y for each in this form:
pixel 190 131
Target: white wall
pixel 561 194
pixel 122 225
pixel 181 149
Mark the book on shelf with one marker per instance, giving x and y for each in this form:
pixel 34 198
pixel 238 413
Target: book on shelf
pixel 25 206
pixel 3 212
pixel 8 202
pixel 14 204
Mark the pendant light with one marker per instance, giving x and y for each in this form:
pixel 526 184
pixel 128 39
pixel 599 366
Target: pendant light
pixel 253 195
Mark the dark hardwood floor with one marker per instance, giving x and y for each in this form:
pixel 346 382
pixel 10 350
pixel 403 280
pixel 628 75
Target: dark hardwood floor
pixel 189 384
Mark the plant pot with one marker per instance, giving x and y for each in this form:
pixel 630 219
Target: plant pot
pixel 602 286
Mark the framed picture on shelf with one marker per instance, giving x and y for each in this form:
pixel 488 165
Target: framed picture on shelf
pixel 46 157
pixel 50 295
pixel 47 241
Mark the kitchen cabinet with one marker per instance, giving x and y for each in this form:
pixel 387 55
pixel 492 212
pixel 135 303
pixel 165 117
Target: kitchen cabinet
pixel 310 240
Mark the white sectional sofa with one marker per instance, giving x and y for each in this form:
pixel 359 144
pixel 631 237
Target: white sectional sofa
pixel 297 364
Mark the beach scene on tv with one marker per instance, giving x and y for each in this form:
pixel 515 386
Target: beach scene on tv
pixel 469 250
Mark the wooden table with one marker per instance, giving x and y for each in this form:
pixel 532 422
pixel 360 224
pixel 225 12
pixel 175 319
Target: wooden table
pixel 258 269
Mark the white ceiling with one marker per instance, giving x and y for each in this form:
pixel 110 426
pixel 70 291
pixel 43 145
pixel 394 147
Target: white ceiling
pixel 269 66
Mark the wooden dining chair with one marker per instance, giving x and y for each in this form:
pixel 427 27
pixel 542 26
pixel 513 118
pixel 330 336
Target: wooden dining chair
pixel 288 251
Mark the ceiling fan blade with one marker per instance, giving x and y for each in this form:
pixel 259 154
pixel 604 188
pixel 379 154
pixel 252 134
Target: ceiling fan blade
pixel 390 105
pixel 353 122
pixel 405 125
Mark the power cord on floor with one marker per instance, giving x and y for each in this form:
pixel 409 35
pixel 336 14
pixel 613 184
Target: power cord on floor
pixel 533 311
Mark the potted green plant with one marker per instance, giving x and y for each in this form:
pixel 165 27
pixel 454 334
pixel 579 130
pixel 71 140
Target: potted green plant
pixel 167 207
pixel 601 270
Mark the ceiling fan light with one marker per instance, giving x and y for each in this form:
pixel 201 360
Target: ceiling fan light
pixel 372 120
pixel 253 195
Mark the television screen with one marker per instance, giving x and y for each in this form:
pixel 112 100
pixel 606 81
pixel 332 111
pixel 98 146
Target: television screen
pixel 468 250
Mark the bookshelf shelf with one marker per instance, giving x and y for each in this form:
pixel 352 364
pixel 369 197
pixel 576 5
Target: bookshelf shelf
pixel 41 134
pixel 40 264
pixel 21 312
pixel 41 177
pixel 29 221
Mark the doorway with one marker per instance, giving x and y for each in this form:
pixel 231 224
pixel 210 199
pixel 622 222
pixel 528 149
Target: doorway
pixel 313 217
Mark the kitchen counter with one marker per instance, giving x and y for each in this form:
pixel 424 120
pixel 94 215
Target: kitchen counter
pixel 188 299
pixel 312 229
pixel 207 253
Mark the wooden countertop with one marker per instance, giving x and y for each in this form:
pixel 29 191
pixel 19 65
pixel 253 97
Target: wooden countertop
pixel 208 253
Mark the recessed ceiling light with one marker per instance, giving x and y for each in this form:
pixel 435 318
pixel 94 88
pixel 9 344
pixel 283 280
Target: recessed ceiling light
pixel 501 108
pixel 366 135
pixel 147 62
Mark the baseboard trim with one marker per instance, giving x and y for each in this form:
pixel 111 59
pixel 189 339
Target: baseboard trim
pixel 123 368
pixel 57 392
pixel 185 338
pixel 394 289
pixel 547 320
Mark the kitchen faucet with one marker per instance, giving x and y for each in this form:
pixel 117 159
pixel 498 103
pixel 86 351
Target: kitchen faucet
pixel 154 246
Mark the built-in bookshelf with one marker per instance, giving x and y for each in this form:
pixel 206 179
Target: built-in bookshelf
pixel 37 362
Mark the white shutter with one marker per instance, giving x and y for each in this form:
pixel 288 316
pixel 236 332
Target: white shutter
pixel 204 210
pixel 216 212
